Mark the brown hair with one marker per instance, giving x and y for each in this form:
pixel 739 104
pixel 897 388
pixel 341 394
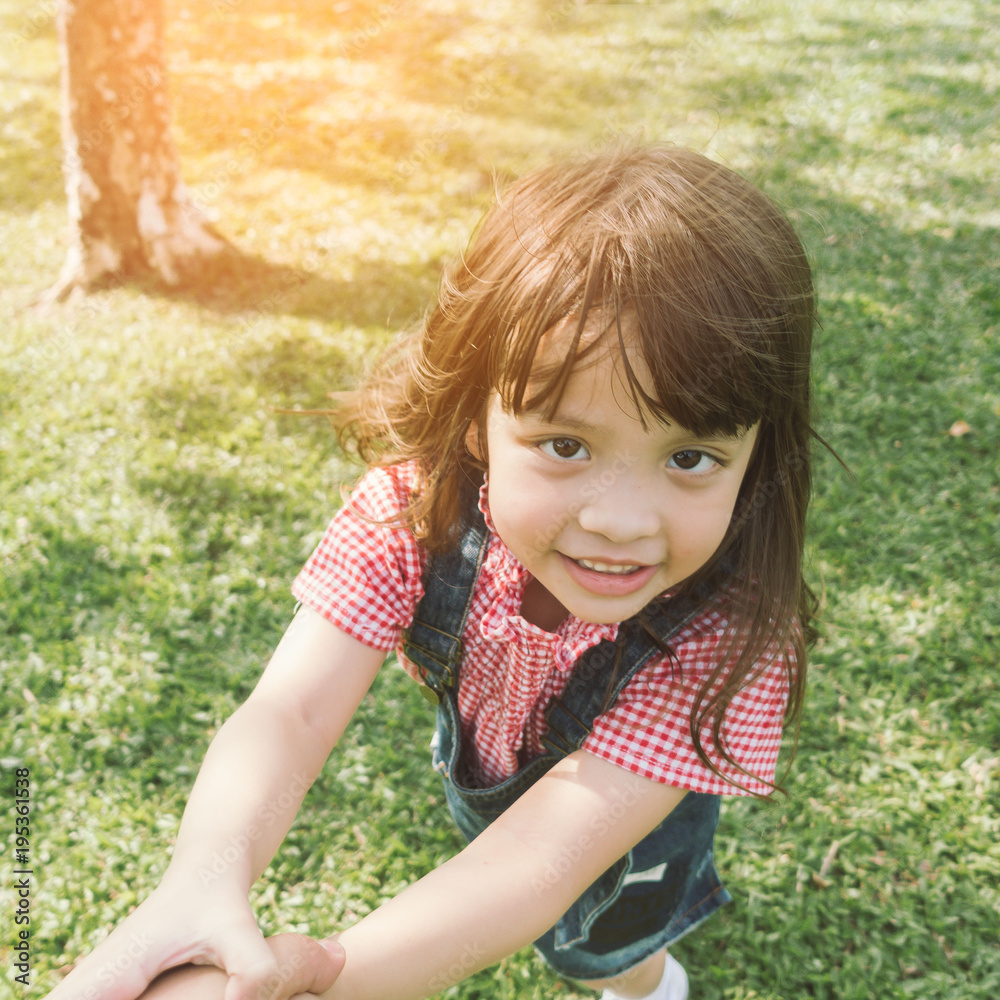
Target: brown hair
pixel 711 282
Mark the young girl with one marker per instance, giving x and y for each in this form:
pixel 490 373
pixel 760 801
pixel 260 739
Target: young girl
pixel 582 531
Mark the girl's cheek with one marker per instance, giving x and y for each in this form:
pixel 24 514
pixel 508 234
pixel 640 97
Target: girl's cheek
pixel 700 527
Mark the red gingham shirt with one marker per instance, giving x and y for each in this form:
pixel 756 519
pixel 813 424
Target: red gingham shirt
pixel 365 578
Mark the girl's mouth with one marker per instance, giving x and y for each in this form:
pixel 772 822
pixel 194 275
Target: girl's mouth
pixel 602 567
pixel 608 579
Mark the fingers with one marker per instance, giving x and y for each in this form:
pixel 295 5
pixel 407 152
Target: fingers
pixel 294 965
pixel 246 966
pixel 253 971
pixel 298 964
pixel 324 962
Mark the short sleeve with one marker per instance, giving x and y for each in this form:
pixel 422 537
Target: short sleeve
pixel 364 575
pixel 647 730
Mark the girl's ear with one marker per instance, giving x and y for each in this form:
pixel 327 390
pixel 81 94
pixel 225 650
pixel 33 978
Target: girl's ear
pixel 472 441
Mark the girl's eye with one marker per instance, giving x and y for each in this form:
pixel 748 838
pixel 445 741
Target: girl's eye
pixel 692 461
pixel 564 448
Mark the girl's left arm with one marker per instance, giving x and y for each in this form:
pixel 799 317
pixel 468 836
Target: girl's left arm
pixel 509 886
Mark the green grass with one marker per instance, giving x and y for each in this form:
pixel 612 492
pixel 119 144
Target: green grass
pixel 154 507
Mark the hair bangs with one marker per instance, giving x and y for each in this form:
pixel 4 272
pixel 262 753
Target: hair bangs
pixel 553 334
pixel 710 375
pixel 721 329
pixel 723 332
pixel 705 381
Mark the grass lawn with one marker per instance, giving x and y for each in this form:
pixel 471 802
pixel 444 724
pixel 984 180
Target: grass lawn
pixel 154 506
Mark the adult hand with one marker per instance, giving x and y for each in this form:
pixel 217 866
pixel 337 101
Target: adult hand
pixel 303 968
pixel 182 922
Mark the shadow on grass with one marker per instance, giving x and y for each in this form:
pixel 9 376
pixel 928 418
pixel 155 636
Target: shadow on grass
pixel 91 584
pixel 30 172
pixel 200 501
pixel 46 605
pixel 245 285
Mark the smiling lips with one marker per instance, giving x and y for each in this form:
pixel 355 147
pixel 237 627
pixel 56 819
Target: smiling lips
pixel 608 579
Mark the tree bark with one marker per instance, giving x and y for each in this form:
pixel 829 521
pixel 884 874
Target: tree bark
pixel 130 212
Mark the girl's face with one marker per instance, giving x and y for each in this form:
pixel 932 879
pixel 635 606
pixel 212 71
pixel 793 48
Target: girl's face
pixel 603 513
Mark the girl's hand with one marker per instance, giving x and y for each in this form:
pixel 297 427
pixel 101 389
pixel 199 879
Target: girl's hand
pixel 182 923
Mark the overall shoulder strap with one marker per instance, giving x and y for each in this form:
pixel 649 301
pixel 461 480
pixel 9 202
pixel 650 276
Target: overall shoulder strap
pixel 433 642
pixel 596 682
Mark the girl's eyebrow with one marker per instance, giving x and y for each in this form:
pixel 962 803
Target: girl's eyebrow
pixel 581 425
pixel 566 420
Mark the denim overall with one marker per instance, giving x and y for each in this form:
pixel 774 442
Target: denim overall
pixel 667 884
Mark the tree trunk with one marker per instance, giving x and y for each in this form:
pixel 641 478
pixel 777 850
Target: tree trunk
pixel 130 212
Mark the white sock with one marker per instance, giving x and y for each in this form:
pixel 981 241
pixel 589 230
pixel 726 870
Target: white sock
pixel 673 985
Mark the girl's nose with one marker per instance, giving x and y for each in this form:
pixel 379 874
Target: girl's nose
pixel 622 512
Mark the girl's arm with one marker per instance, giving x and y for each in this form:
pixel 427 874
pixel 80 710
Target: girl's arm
pixel 256 772
pixel 509 886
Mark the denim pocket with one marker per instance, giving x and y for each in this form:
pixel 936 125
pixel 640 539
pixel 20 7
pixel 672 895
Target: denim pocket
pixel 573 925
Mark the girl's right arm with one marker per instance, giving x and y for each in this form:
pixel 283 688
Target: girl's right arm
pixel 256 773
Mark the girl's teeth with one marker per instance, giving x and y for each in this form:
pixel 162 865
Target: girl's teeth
pixel 605 568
